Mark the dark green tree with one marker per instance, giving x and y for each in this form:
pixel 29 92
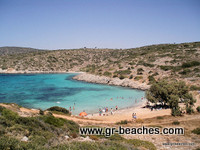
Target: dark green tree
pixel 171 94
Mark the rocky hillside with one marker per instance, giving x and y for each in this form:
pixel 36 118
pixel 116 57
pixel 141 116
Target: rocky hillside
pixel 17 50
pixel 144 64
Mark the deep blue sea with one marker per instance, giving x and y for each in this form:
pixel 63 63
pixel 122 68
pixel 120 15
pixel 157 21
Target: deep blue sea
pixel 47 90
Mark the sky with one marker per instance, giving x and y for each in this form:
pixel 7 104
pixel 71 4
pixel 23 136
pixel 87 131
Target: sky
pixel 67 24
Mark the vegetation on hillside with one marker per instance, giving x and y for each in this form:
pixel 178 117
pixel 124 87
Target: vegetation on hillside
pixel 49 133
pixel 17 50
pixel 165 60
pixel 57 109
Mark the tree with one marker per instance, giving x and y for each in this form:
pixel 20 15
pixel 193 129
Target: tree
pixel 171 94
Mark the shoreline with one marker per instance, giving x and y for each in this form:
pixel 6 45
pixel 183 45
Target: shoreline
pixel 119 115
pixel 126 114
pixel 90 78
pixel 120 110
pixel 142 113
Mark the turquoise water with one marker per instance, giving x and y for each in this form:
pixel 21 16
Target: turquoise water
pixel 47 90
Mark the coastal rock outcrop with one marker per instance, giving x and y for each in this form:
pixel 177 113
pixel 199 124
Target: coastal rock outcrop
pixel 111 81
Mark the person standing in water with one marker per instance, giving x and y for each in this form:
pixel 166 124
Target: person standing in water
pixel 70 108
pixel 116 107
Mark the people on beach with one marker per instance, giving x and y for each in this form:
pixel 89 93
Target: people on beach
pixel 134 116
pixel 103 112
pixel 116 107
pixel 100 111
pixel 111 111
pixel 70 108
pixel 106 109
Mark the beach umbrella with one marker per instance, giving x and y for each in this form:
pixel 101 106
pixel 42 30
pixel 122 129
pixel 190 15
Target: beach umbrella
pixel 83 114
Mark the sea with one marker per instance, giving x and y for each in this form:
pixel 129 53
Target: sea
pixel 42 91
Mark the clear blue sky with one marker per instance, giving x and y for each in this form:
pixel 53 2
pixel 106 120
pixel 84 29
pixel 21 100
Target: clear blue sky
pixel 57 24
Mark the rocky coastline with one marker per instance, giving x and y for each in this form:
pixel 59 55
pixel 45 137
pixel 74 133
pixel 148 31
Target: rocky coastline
pixel 111 81
pixel 82 76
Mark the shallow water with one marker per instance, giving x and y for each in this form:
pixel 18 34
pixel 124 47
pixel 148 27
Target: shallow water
pixel 47 90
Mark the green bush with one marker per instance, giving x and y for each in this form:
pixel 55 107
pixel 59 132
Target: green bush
pixel 148 65
pixel 198 109
pixel 131 77
pixel 176 111
pixel 72 126
pixel 31 122
pixel 166 68
pixel 2 108
pixel 151 79
pixel 190 64
pixel 59 109
pixel 189 110
pixel 185 71
pixel 138 77
pixel 194 88
pixel 41 112
pixel 10 115
pixel 169 93
pixel 57 122
pixel 121 77
pixel 111 145
pixel 116 137
pixel 140 71
pixel 140 143
pixel 9 143
pixel 160 117
pixel 175 122
pixel 123 72
pixel 122 122
pixel 196 131
pixel 114 76
pixel 40 140
pixel 108 74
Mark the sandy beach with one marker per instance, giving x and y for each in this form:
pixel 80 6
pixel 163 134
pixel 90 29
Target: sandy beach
pixel 142 113
pixel 119 115
pixel 126 114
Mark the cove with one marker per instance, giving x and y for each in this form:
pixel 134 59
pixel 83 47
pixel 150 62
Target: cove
pixel 47 90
